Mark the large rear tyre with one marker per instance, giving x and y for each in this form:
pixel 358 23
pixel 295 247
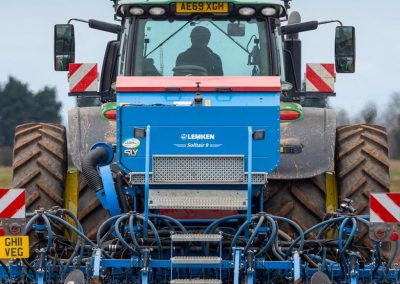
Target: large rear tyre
pixel 91 213
pixel 40 164
pixel 302 201
pixel 362 167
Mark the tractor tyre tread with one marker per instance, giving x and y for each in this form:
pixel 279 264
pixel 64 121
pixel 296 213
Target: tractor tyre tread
pixel 40 164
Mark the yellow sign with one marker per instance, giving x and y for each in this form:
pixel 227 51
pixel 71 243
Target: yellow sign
pixel 201 7
pixel 14 247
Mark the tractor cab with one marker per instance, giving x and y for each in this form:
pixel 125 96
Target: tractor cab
pixel 200 39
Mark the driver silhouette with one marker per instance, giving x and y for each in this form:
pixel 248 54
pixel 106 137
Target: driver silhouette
pixel 200 54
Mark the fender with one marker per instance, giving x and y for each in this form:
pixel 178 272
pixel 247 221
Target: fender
pixel 85 128
pixel 315 135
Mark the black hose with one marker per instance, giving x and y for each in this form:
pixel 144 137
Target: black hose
pixel 90 162
pixel 120 194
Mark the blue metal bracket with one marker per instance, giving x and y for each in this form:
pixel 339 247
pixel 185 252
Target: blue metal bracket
pixel 296 267
pixel 96 263
pixel 237 255
pixel 147 182
pixel 249 172
pixel 145 275
pixel 40 277
pixel 251 267
pixel 110 194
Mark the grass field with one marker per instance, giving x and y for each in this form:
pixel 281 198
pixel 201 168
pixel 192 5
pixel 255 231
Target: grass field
pixel 5 176
pixel 395 174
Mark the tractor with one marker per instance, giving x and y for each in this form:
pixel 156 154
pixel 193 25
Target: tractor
pixel 208 159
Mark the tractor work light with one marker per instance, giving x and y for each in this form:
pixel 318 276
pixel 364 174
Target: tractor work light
pixel 136 11
pixel 269 11
pixel 139 133
pixel 157 11
pixel 247 11
pixel 259 135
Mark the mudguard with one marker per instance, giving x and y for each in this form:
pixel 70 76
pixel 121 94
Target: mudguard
pixel 310 144
pixel 85 128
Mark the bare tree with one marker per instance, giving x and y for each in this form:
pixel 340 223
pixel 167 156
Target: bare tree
pixel 369 113
pixel 342 117
pixel 391 119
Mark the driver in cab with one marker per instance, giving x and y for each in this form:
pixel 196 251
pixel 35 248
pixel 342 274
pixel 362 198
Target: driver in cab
pixel 199 54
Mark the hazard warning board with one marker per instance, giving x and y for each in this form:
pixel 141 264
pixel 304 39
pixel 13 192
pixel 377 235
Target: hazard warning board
pixel 320 78
pixel 12 211
pixel 14 247
pixel 83 77
pixel 12 203
pixel 385 208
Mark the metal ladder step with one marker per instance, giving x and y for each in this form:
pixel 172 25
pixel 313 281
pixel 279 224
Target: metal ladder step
pixel 196 237
pixel 197 281
pixel 196 260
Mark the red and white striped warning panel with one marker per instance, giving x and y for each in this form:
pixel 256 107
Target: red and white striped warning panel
pixel 320 78
pixel 12 203
pixel 83 77
pixel 384 207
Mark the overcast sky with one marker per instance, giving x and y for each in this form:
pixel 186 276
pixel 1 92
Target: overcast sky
pixel 26 49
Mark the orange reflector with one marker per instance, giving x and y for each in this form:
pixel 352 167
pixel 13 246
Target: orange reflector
pixel 111 114
pixel 287 115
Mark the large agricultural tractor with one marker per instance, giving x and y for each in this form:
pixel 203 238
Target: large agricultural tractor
pixel 208 160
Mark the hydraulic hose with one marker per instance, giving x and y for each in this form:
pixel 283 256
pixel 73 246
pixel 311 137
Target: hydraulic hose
pixel 102 227
pixel 213 225
pixel 132 233
pixel 119 235
pixel 253 235
pixel 271 238
pixel 156 235
pixel 396 249
pixel 240 230
pixel 342 249
pixel 90 162
pixel 172 220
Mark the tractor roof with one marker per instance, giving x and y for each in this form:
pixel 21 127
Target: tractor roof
pixel 238 2
pixel 272 2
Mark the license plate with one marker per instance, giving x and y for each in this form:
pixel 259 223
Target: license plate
pixel 14 247
pixel 201 7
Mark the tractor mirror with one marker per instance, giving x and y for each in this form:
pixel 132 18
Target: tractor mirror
pixel 236 29
pixel 345 49
pixel 64 46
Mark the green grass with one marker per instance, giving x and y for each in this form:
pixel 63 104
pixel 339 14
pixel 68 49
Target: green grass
pixel 5 177
pixel 395 174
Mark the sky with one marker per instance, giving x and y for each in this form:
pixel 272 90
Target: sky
pixel 26 49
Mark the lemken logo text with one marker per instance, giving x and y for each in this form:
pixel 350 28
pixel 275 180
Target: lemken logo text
pixel 198 136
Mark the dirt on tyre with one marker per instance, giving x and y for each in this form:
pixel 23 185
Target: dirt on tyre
pixel 362 167
pixel 40 164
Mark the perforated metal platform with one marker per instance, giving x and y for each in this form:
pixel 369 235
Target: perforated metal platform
pixel 189 169
pixel 198 199
pixel 196 237
pixel 196 260
pixel 196 281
